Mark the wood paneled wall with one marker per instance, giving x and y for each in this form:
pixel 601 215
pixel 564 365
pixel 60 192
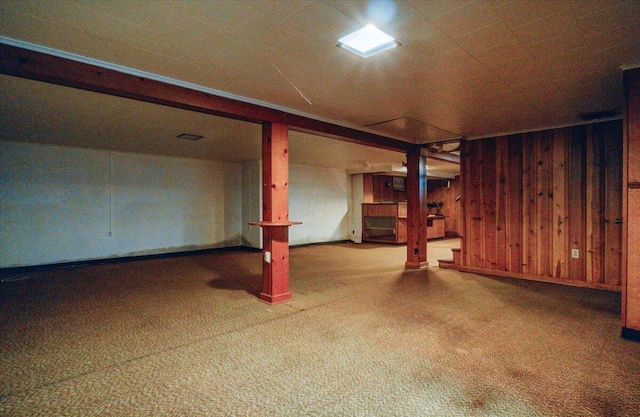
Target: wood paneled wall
pixel 532 198
pixel 631 183
pixel 378 188
pixel 451 209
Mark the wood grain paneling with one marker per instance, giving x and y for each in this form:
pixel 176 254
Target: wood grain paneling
pixel 514 190
pixel 612 207
pixel 382 189
pixel 529 199
pixel 631 203
pixel 452 209
pixel 577 197
pixel 560 237
pixel 501 201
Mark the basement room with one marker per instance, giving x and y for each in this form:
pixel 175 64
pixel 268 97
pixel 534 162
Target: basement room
pixel 320 207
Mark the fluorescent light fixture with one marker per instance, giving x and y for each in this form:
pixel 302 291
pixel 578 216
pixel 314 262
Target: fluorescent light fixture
pixel 367 41
pixel 189 136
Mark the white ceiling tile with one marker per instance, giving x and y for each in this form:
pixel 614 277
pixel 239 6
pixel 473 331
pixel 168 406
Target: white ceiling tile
pixel 263 30
pixel 191 48
pixel 468 18
pixel 546 28
pixel 123 30
pixel 456 63
pixel 74 15
pixel 497 3
pixel 621 15
pixel 32 7
pixel 134 11
pixel 520 12
pixel 501 53
pixel 434 8
pixel 505 69
pixel 224 15
pixel 317 18
pixel 174 24
pixel 434 43
pixel 557 45
pixel 175 5
pixel 486 38
pixel 613 38
pixel 36 30
pixel 278 9
pixel 585 7
pixel 409 28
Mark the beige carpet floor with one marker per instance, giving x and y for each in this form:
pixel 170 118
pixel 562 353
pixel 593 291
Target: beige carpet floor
pixel 362 337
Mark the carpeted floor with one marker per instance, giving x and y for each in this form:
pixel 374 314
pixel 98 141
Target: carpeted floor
pixel 361 337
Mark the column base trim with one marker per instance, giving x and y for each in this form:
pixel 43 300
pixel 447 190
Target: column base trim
pixel 630 334
pixel 275 299
pixel 416 265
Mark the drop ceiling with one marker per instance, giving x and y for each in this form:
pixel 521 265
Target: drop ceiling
pixel 465 68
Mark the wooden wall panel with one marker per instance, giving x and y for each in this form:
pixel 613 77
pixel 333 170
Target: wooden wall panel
pixel 577 196
pixel 594 205
pixel 501 171
pixel 528 205
pixel 452 209
pixel 560 219
pixel 544 200
pixel 529 199
pixel 488 196
pixel 612 207
pixel 383 191
pixel 466 180
pixel 474 232
pixel 514 203
pixel 367 186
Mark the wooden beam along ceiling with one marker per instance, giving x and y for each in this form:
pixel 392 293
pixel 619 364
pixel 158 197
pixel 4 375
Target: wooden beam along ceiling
pixel 34 65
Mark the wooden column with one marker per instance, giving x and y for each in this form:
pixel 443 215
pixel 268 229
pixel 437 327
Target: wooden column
pixel 275 213
pixel 631 209
pixel 416 210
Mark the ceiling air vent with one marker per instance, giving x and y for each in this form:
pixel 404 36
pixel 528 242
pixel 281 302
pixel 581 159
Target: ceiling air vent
pixel 189 136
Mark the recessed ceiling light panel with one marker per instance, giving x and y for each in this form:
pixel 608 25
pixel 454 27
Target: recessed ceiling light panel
pixel 367 41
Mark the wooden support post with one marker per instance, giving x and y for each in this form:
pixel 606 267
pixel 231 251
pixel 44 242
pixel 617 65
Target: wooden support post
pixel 275 213
pixel 631 209
pixel 416 210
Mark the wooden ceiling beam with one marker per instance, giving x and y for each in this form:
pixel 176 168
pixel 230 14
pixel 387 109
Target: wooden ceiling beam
pixel 443 156
pixel 34 65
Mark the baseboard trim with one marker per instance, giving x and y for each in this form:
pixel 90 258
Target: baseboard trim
pixel 332 242
pixel 540 278
pixel 5 272
pixel 630 334
pixel 91 262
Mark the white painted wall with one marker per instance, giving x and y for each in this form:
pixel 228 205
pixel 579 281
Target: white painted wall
pixel 357 198
pixel 319 198
pixel 251 203
pixel 59 204
pixel 62 204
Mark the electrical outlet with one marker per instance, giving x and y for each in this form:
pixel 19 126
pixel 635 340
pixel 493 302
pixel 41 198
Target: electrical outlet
pixel 575 253
pixel 267 257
